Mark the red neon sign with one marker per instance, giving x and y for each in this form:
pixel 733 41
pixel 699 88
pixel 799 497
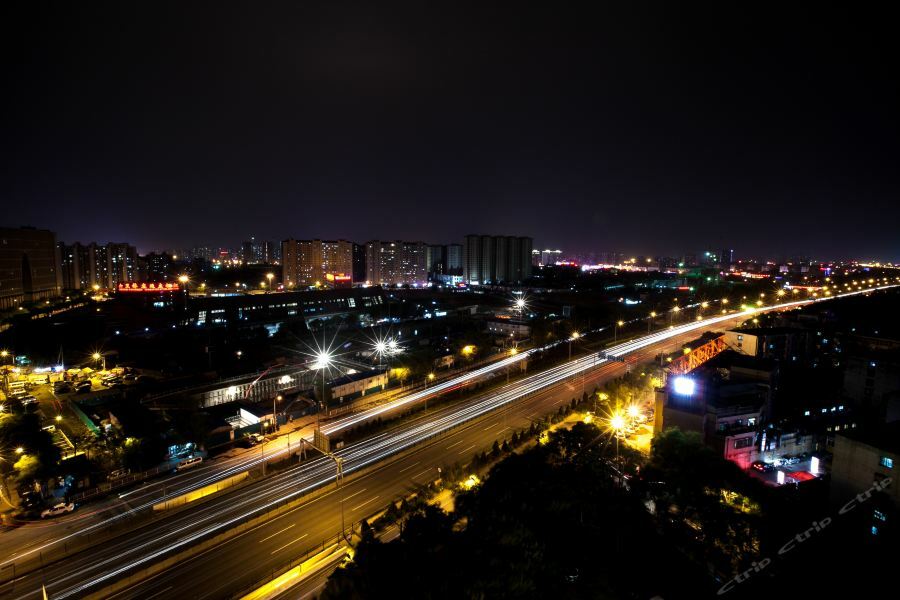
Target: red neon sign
pixel 147 287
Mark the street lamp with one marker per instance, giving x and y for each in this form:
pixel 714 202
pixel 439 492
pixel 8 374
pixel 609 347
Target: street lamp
pixel 97 356
pixel 575 335
pixel 269 278
pixel 617 426
pixel 616 330
pixel 323 362
pixel 650 320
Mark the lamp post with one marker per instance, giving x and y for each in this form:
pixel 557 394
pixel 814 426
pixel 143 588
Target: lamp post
pixel 269 278
pixel 617 425
pixel 323 361
pixel 616 330
pixel 575 335
pixel 338 477
pixel 675 310
pixel 97 356
pixel 650 320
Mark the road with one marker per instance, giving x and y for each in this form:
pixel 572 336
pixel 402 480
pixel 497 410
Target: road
pixel 441 437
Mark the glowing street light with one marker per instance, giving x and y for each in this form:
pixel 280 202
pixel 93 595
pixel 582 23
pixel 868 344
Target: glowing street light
pixel 323 360
pixel 617 427
pixel 575 335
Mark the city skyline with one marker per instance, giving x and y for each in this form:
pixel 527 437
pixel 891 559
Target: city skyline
pixel 629 131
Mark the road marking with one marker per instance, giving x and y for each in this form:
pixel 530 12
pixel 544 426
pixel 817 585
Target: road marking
pixel 467 449
pixel 455 444
pixel 355 493
pixel 366 502
pixel 502 430
pixel 410 466
pixel 422 473
pixel 490 426
pixel 288 544
pixel 276 533
pixel 159 593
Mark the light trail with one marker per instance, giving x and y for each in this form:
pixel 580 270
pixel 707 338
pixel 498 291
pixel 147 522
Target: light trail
pixel 319 471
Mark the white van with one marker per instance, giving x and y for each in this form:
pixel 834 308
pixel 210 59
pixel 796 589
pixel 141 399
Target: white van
pixel 187 463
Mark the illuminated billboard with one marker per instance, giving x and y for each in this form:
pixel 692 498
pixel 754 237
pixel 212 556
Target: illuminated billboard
pixel 147 288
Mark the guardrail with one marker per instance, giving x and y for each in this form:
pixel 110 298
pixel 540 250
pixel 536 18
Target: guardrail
pixel 109 486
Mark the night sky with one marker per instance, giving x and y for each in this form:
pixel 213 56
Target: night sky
pixel 642 129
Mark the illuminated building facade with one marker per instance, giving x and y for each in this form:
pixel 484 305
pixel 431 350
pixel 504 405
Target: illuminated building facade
pixel 306 262
pixel 29 266
pixel 489 259
pixel 396 263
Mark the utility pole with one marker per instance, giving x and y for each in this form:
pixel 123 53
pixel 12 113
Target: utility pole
pixel 338 478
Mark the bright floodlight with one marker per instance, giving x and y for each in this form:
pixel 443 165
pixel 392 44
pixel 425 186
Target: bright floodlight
pixel 392 344
pixel 683 386
pixel 617 423
pixel 633 411
pixel 323 360
pixel 520 303
pixel 380 347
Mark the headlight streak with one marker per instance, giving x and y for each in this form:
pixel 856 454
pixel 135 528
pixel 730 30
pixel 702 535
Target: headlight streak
pixel 319 471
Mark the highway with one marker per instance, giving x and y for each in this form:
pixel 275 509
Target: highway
pixel 441 437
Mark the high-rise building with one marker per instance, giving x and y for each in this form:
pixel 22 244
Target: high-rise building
pixel 454 259
pixel 122 263
pixel 305 262
pixel 396 263
pixel 204 253
pixel 549 257
pixel 158 267
pixel 254 252
pixel 359 263
pixel 435 259
pixel 495 259
pixel 75 263
pixel 29 266
pixel 103 265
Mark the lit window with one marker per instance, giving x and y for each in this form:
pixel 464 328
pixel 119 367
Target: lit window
pixel 887 462
pixel 806 413
pixel 880 516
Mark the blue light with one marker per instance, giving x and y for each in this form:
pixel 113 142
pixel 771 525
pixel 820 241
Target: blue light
pixel 683 386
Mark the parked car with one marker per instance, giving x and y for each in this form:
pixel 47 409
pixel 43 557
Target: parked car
pixel 118 474
pixel 762 467
pixel 187 463
pixel 62 387
pixel 83 386
pixel 57 509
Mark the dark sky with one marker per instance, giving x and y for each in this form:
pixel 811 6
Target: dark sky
pixel 641 129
